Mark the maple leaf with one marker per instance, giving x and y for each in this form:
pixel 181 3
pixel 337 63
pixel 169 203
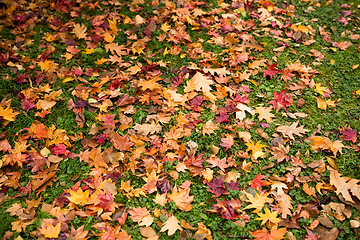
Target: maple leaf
pixel 344 185
pixel 7 113
pixel 171 225
pixel 289 130
pixel 222 118
pixel 217 186
pixel 258 201
pixel 209 127
pixel 217 162
pixel 281 100
pixel 274 234
pixel 181 198
pixel 271 71
pixel 227 142
pixel 264 113
pixel 150 84
pixel 268 216
pixel 79 30
pixel 145 129
pixel 349 135
pixel 225 210
pixel 49 231
pixel 199 82
pixel 141 215
pixel 241 114
pixel 121 143
pixel 280 153
pixel 79 197
pixel 255 148
pixel 233 185
pixel 257 181
pixel 78 234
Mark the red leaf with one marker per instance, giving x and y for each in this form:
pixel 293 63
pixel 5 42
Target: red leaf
pixel 222 118
pixel 349 135
pixel 217 186
pixel 271 71
pixel 282 99
pixel 125 100
pixel 225 210
pixel 227 142
pixel 257 182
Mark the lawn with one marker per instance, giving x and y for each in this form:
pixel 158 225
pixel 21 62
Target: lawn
pixel 179 119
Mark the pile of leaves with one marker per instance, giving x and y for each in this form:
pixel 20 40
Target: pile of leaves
pixel 179 119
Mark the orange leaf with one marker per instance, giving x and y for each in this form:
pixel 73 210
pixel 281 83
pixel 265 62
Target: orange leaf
pixel 309 190
pixel 50 231
pixel 121 143
pixel 181 199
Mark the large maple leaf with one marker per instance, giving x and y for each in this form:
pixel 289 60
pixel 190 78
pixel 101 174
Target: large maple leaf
pixel 121 143
pixel 49 231
pixel 79 30
pixel 349 134
pixel 225 209
pixel 217 186
pixel 264 113
pixel 79 197
pixel 199 82
pixel 7 113
pixel 281 100
pixel 271 71
pixel 181 198
pixel 258 201
pixel 268 216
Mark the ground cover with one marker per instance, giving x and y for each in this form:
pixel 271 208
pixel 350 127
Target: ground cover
pixel 179 119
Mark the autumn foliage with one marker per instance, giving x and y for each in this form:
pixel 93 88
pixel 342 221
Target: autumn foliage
pixel 148 119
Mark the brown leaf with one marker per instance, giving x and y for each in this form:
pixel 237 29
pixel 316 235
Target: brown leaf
pixel 289 130
pixel 121 143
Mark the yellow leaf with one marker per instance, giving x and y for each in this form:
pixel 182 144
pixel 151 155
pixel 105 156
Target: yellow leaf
pixel 321 103
pixel 7 113
pixel 101 61
pixel 332 61
pixel 68 79
pixel 165 27
pixel 112 24
pixel 255 148
pixel 79 197
pixel 89 51
pixel 108 38
pixel 269 216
